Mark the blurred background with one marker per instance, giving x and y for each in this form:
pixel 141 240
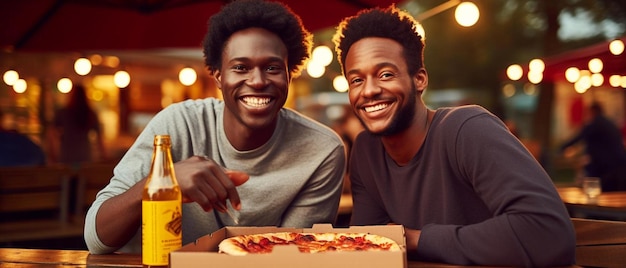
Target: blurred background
pixel 535 64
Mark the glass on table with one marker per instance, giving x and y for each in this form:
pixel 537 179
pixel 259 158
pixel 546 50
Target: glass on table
pixel 592 188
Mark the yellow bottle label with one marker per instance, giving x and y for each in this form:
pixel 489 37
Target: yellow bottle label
pixel 161 230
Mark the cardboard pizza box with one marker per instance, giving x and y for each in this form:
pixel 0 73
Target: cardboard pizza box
pixel 203 252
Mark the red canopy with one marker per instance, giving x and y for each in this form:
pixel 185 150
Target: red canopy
pixel 70 25
pixel 613 64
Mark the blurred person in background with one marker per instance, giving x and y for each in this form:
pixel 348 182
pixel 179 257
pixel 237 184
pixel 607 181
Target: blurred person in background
pixel 466 190
pixel 270 165
pixel 604 148
pixel 70 135
pixel 17 149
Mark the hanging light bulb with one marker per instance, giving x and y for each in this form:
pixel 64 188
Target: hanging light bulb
pixel 82 66
pixel 19 86
pixel 572 74
pixel 323 55
pixel 315 69
pixel 616 47
pixel 514 72
pixel 466 14
pixel 64 85
pixel 10 77
pixel 340 84
pixel 536 65
pixel 615 80
pixel 595 65
pixel 187 76
pixel 597 79
pixel 535 77
pixel 121 79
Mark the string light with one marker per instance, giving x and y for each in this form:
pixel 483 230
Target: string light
pixel 20 86
pixel 64 85
pixel 466 14
pixel 121 79
pixel 82 66
pixel 616 47
pixel 187 76
pixel 10 77
pixel 572 74
pixel 340 84
pixel 514 72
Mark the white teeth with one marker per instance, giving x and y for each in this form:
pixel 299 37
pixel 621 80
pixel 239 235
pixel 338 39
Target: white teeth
pixel 375 108
pixel 256 101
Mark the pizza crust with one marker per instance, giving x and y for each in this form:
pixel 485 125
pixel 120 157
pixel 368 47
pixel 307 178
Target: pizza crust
pixel 307 242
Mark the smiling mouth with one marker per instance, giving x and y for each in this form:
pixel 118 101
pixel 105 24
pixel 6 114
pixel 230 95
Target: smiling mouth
pixel 256 101
pixel 376 107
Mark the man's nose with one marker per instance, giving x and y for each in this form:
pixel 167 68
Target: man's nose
pixel 257 78
pixel 371 88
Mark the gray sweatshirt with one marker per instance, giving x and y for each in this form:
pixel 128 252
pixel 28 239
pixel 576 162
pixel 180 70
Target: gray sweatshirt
pixel 295 180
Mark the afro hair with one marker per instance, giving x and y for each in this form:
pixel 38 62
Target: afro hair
pixel 272 16
pixel 391 23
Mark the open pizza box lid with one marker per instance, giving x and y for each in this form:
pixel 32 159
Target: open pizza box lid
pixel 203 252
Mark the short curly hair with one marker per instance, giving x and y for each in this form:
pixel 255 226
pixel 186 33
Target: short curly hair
pixel 389 22
pixel 272 16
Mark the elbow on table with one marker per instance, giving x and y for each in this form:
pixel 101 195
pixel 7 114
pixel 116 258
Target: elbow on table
pixel 560 251
pixel 95 246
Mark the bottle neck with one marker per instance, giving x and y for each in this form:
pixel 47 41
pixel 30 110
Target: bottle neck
pixel 162 171
pixel 161 162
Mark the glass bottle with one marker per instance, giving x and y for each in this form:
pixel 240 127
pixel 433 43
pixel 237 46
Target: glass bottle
pixel 161 219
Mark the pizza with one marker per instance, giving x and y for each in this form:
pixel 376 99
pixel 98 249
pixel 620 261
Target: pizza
pixel 306 242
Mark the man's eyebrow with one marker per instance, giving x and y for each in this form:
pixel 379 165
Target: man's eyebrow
pixel 353 71
pixel 269 59
pixel 378 67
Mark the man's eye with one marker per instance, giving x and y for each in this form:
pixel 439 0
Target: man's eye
pixel 356 80
pixel 273 69
pixel 239 67
pixel 386 75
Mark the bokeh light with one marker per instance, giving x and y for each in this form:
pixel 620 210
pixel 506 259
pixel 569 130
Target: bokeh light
pixel 514 72
pixel 466 14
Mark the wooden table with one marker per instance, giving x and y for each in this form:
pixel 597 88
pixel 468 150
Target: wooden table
pixel 609 205
pixel 16 257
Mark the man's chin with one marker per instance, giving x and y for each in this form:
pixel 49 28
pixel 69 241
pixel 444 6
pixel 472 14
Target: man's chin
pixel 376 131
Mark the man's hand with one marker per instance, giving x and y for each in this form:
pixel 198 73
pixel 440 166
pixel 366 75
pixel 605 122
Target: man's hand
pixel 205 182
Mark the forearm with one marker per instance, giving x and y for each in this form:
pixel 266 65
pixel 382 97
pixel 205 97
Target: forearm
pixel 506 240
pixel 114 229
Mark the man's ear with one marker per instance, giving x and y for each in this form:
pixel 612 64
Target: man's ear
pixel 217 76
pixel 420 78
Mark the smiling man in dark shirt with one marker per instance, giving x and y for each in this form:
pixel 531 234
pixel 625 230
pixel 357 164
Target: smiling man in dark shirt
pixel 465 189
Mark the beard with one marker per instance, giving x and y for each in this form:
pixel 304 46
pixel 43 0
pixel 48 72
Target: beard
pixel 402 119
